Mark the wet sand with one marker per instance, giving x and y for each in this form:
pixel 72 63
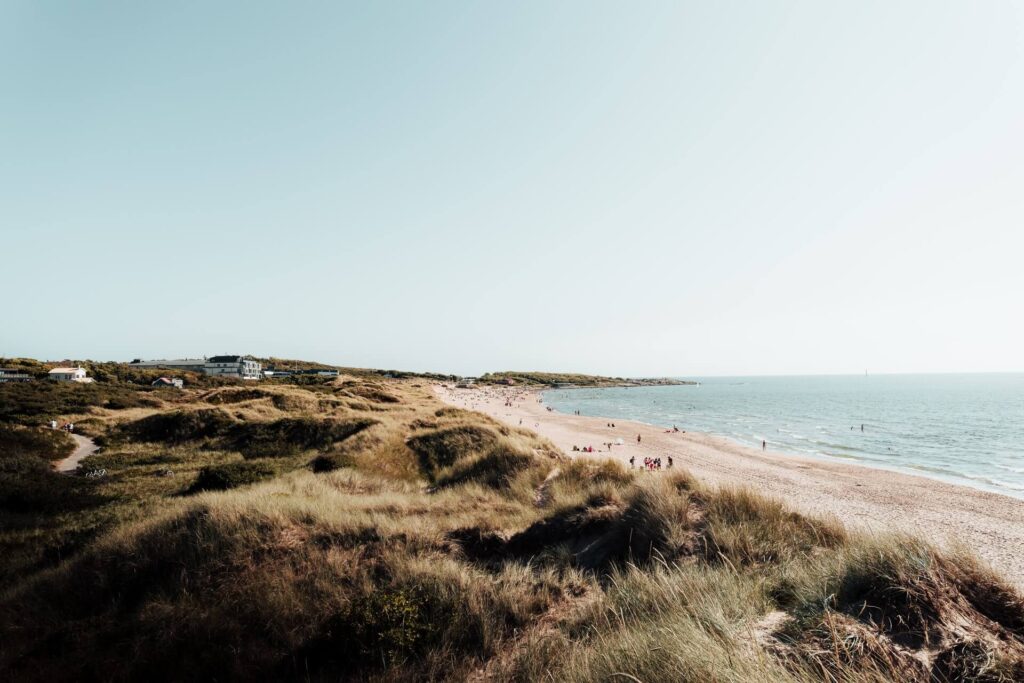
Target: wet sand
pixel 875 500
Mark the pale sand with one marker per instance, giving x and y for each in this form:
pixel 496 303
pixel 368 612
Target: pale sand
pixel 875 500
pixel 84 447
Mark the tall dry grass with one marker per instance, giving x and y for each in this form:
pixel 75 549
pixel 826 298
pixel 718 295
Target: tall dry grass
pixel 438 544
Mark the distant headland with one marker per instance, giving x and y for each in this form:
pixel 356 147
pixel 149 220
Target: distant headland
pixel 563 379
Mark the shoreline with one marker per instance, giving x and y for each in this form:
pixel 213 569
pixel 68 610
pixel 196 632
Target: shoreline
pixel 863 497
pixel 950 479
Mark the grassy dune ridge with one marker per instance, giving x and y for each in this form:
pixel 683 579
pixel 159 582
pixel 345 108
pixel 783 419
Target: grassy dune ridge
pixel 357 529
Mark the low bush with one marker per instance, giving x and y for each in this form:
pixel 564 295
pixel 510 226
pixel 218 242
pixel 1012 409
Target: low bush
pixel 48 444
pixel 32 403
pixel 329 462
pixel 28 485
pixel 179 426
pixel 229 476
pixel 233 395
pixel 292 435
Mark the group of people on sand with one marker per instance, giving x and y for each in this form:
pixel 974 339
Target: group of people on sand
pixel 585 449
pixel 651 464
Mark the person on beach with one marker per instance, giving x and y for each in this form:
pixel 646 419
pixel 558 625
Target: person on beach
pixel 764 445
pixel 632 461
pixel 638 438
pixel 670 462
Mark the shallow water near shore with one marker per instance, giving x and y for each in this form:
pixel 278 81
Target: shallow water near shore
pixel 963 428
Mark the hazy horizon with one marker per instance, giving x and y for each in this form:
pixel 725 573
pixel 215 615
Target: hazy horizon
pixel 442 371
pixel 665 189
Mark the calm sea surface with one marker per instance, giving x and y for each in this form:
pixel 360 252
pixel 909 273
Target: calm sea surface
pixel 967 429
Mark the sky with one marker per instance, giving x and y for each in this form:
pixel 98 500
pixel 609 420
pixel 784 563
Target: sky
pixel 650 188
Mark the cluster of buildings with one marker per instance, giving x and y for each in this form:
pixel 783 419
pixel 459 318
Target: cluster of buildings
pixel 239 367
pixel 69 374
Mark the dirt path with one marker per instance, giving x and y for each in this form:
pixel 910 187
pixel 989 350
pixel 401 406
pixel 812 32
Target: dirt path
pixel 84 447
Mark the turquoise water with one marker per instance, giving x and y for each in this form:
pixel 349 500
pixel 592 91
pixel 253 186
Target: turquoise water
pixel 967 429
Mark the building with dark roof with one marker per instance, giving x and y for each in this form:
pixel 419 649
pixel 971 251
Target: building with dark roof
pixel 233 366
pixel 14 375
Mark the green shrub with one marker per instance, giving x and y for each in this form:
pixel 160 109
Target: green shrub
pixel 292 435
pixel 179 426
pixel 28 485
pixel 331 461
pixel 231 475
pixel 48 444
pixel 234 395
pixel 34 402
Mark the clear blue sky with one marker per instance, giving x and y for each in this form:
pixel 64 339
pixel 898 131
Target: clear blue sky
pixel 684 188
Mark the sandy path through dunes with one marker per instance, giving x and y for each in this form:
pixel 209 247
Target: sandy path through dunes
pixel 84 447
pixel 992 525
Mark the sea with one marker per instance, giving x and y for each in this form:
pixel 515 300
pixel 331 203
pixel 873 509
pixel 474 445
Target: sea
pixel 961 428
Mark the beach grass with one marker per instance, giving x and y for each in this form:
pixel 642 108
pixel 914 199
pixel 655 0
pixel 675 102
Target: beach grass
pixel 358 529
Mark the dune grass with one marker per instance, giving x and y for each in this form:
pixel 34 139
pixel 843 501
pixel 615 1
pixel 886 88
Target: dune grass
pixel 358 530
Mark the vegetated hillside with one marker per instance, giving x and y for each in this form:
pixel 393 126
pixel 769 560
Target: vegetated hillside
pixel 570 379
pixel 365 373
pixel 359 530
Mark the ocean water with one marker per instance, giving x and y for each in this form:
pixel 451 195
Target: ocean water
pixel 962 428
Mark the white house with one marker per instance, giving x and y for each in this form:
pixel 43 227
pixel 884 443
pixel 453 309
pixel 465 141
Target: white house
pixel 68 375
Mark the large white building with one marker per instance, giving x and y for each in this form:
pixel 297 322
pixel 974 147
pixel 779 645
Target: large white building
pixel 224 366
pixel 233 366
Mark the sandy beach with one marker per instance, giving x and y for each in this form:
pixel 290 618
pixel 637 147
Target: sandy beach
pixel 875 500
